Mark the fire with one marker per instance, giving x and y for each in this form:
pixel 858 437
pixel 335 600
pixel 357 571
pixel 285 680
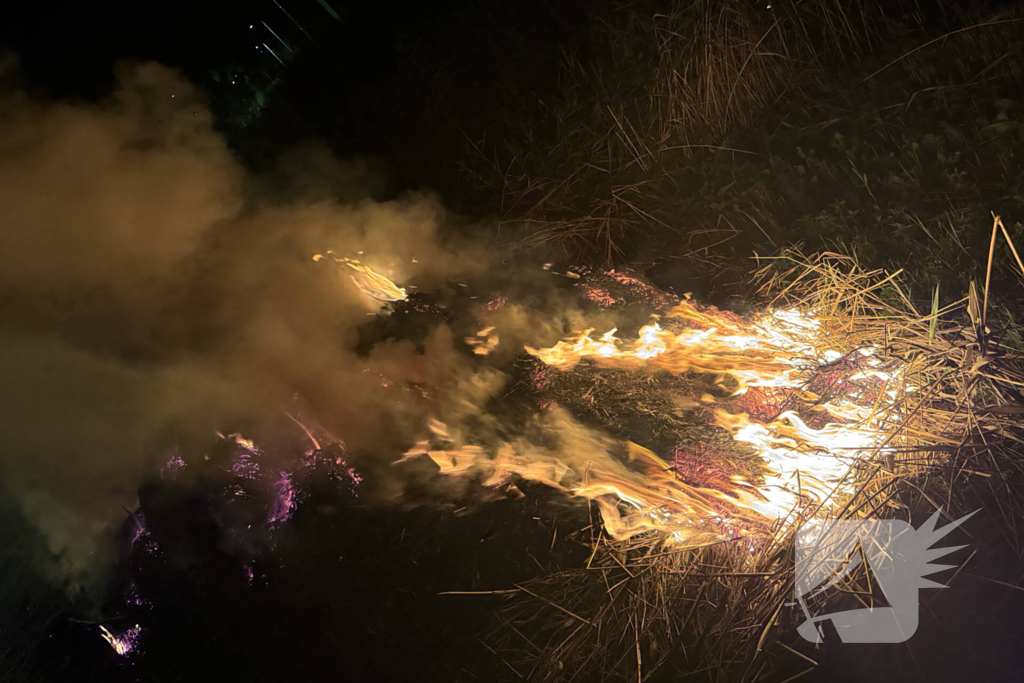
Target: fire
pixel 485 341
pixel 372 283
pixel 767 353
pixel 807 468
pixel 658 500
pixel 124 643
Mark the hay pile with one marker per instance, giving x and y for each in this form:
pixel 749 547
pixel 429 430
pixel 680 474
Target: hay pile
pixel 644 610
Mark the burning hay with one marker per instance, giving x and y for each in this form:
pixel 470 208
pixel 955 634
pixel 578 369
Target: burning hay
pixel 840 400
pixel 824 400
pixel 374 285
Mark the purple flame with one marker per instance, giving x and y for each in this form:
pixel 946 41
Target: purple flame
pixel 285 501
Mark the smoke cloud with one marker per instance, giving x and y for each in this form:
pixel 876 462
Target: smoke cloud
pixel 152 292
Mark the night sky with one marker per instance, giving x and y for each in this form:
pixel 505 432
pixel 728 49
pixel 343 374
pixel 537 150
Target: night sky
pixel 399 84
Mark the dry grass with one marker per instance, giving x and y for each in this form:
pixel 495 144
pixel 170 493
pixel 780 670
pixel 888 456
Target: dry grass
pixel 662 81
pixel 721 63
pixel 698 125
pixel 643 610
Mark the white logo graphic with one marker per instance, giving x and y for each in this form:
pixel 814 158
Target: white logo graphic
pixel 896 557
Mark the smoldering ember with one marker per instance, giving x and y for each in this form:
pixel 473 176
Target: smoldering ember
pixel 548 341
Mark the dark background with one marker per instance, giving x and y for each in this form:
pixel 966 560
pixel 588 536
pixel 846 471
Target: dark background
pixel 350 593
pixel 405 84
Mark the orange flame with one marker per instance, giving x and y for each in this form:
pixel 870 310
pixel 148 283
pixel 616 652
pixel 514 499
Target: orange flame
pixel 370 281
pixel 806 469
pixel 485 341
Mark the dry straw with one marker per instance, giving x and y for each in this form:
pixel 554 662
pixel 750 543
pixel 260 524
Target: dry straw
pixel 642 610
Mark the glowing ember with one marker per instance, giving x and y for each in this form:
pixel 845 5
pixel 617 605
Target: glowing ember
pixel 138 526
pixel 245 464
pixel 600 295
pixel 133 598
pixel 285 501
pixel 174 464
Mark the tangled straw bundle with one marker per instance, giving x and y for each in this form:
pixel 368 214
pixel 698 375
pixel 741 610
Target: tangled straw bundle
pixel 643 610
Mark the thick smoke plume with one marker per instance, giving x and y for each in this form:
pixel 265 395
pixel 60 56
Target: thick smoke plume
pixel 151 293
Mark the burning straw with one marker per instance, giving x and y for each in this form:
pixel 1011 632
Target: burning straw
pixel 856 404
